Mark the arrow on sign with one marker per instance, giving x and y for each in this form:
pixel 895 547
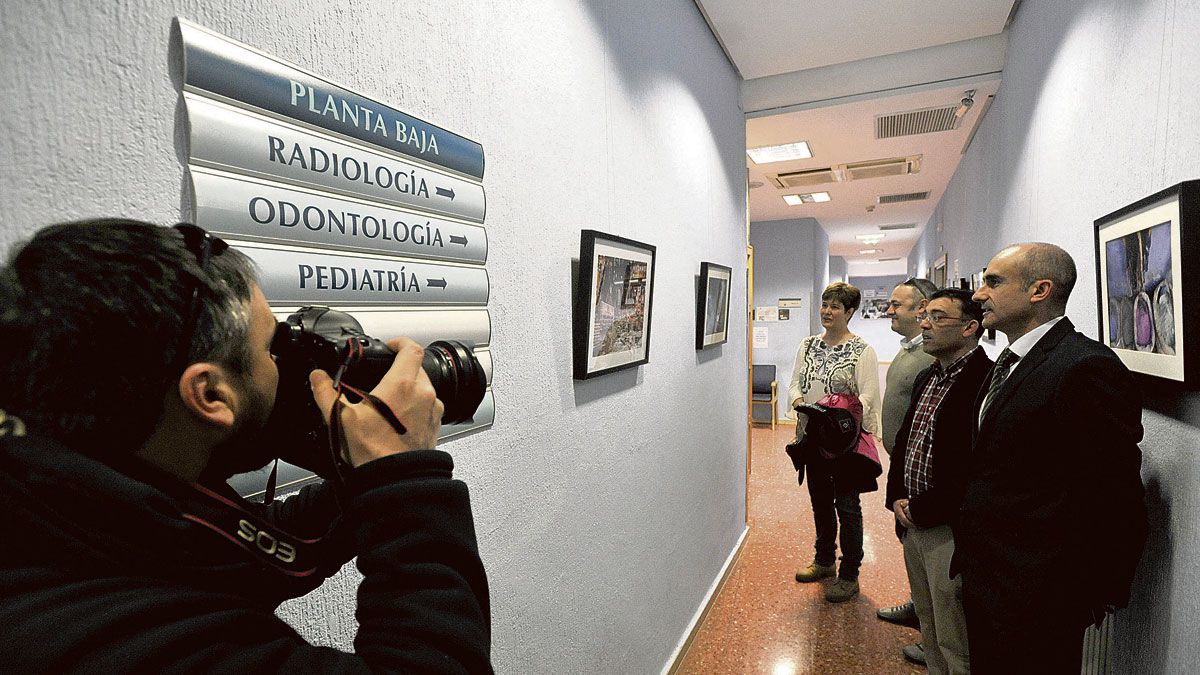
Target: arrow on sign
pixel 446 192
pixel 435 283
pixel 456 239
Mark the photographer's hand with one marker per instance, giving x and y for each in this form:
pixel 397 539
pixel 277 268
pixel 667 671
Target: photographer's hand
pixel 405 389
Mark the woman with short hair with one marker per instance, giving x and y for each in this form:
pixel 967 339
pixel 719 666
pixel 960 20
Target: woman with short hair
pixel 836 362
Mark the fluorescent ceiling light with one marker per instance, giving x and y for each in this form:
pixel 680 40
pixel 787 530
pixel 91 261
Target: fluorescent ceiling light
pixel 780 153
pixel 868 251
pixel 813 198
pixel 870 237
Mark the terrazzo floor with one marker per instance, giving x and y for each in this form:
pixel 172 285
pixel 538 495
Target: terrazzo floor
pixel 762 621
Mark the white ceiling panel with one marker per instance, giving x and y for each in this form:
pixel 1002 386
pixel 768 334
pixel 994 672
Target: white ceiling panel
pixel 781 36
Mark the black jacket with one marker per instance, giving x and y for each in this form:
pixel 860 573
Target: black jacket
pixel 954 423
pixel 1054 516
pixel 116 567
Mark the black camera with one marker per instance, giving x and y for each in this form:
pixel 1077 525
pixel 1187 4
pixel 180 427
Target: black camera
pixel 333 341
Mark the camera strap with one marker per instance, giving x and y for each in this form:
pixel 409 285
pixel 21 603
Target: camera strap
pixel 293 556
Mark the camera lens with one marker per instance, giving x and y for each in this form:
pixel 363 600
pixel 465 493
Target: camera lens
pixel 457 377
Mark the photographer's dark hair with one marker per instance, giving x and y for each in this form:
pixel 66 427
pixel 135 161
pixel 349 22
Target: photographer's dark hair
pixel 92 313
pixel 968 307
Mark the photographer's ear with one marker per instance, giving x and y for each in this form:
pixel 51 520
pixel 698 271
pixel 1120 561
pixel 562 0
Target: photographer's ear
pixel 207 392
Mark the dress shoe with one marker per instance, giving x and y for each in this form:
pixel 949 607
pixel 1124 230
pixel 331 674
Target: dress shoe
pixel 841 590
pixel 915 653
pixel 814 572
pixel 904 615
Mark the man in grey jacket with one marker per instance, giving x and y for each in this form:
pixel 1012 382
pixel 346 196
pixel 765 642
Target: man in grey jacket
pixel 907 301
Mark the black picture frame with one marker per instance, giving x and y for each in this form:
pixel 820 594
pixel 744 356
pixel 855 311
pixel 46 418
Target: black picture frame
pixel 1148 284
pixel 613 301
pixel 712 305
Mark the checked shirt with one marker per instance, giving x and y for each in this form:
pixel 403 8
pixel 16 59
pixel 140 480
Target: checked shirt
pixel 918 462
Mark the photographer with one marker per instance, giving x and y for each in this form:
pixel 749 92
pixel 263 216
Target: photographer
pixel 135 377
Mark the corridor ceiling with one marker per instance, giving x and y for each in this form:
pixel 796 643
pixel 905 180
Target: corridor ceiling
pixel 824 71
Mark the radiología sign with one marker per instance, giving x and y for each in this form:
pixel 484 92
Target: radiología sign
pixel 264 211
pixel 299 277
pixel 227 68
pixel 224 137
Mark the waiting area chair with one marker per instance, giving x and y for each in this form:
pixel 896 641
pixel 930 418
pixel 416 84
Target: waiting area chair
pixel 763 389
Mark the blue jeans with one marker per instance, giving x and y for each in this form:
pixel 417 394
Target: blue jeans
pixel 830 509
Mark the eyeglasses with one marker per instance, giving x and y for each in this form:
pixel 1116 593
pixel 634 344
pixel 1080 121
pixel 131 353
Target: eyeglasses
pixel 205 247
pixel 939 319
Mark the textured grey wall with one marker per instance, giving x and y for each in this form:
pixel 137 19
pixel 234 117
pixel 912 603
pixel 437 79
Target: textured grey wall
pixel 604 508
pixel 1096 111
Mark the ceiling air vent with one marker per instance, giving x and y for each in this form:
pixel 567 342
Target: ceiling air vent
pixel 898 226
pixel 875 168
pixel 806 178
pixel 916 122
pixel 907 197
pixel 888 259
pixel 880 168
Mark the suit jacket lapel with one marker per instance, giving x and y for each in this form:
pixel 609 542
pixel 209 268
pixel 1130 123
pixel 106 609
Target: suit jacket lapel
pixel 1024 367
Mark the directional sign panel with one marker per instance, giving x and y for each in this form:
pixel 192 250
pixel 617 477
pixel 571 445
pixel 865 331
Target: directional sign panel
pixel 340 200
pixel 472 326
pixel 226 137
pixel 225 68
pixel 264 211
pixel 292 277
pixel 292 477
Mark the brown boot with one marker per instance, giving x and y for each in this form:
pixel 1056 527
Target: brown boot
pixel 814 572
pixel 841 590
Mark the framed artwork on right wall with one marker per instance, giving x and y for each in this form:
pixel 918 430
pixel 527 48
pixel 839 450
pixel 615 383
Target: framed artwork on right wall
pixel 1148 283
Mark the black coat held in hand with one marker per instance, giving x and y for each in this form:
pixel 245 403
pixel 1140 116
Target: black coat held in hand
pixel 954 424
pixel 1053 520
pixel 116 567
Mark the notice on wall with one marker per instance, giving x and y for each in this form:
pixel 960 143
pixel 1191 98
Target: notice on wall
pixel 766 313
pixel 339 198
pixel 785 314
pixel 761 335
pixel 790 303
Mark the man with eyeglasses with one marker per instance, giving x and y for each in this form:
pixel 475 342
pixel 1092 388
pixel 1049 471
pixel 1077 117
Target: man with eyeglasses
pixel 908 299
pixel 135 376
pixel 927 474
pixel 1053 520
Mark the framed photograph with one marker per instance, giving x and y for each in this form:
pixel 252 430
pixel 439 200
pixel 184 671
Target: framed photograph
pixel 938 275
pixel 712 305
pixel 1147 283
pixel 612 304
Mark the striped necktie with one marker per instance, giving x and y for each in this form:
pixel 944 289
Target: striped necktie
pixel 999 375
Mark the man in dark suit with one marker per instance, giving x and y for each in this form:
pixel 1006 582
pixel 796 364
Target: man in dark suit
pixel 927 476
pixel 1053 520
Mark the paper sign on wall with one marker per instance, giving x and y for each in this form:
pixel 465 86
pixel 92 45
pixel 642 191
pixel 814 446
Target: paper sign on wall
pixel 760 337
pixel 766 313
